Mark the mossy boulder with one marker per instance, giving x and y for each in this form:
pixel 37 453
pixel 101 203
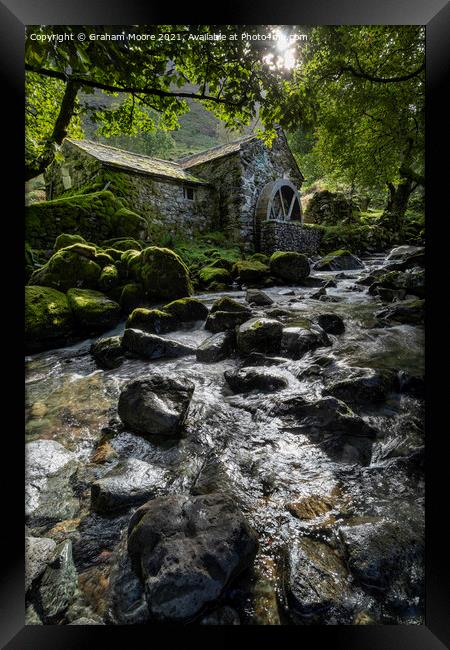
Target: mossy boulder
pixel 92 310
pixel 250 272
pixel 161 272
pixel 123 244
pixel 67 269
pixel 229 304
pixel 66 239
pixel 109 278
pixel 154 321
pixel 289 266
pixel 221 263
pixel 48 318
pixel 260 257
pixel 132 296
pixel 187 309
pixel 259 335
pixel 95 216
pixel 212 274
pixel 340 260
pixel 108 352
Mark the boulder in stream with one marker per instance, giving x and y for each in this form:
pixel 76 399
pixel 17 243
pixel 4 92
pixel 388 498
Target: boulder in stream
pixel 216 347
pixel 259 335
pixel 331 323
pixel 157 405
pixel 186 550
pixel 289 266
pixel 108 352
pixel 92 310
pixel 340 260
pixel 297 341
pixel 151 346
pixel 261 379
pixel 258 297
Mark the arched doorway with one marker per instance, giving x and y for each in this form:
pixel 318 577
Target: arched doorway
pixel 278 201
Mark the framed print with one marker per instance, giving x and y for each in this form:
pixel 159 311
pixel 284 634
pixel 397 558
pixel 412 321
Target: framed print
pixel 230 412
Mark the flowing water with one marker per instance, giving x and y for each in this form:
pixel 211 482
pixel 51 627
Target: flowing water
pixel 242 447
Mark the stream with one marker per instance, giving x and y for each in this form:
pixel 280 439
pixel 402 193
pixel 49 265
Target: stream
pixel 314 513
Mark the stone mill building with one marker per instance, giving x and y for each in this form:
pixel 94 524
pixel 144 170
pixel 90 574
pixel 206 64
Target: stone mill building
pixel 246 189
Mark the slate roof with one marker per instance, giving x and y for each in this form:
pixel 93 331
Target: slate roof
pixel 214 152
pixel 136 162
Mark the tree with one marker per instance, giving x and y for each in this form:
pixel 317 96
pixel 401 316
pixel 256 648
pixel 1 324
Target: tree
pixel 366 97
pixel 156 69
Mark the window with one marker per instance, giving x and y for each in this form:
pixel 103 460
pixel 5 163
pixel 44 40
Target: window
pixel 188 193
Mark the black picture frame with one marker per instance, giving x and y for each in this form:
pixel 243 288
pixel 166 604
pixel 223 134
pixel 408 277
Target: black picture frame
pixel 435 14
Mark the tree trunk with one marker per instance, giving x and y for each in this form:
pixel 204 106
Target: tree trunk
pixel 398 199
pixel 59 131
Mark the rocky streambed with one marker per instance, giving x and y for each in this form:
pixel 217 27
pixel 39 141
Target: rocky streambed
pixel 260 465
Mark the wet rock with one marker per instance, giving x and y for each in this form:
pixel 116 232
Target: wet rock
pixel 379 552
pixel 247 379
pixel 130 482
pixel 217 347
pixel 318 294
pixel 289 266
pixel 340 260
pixel 229 304
pixel 151 346
pixel 258 297
pixel 58 584
pixel 48 319
pixel 327 298
pixel 38 552
pixel 98 536
pixel 260 359
pixel 49 496
pixel 155 406
pixel 317 585
pixel 259 335
pixel 92 310
pixel 152 321
pixel 341 433
pixel 411 384
pixel 187 550
pixel 409 312
pixel 250 272
pixel 406 257
pixel 390 295
pixel 126 598
pixel 310 507
pixel 331 323
pixel 278 312
pixel 86 621
pixel 365 386
pixel 286 292
pixel 296 341
pixel 221 321
pixel 187 310
pixel 221 616
pixel 31 616
pixel 108 352
pixel 408 282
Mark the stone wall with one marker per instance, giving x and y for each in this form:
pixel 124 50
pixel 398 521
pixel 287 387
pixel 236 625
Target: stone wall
pixel 289 236
pixel 161 202
pixel 240 178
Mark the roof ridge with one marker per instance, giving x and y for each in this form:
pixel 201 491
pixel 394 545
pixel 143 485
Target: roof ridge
pixel 216 147
pixel 132 153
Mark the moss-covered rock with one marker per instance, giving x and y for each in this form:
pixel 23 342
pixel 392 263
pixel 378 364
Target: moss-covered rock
pixel 109 278
pixel 250 272
pixel 212 274
pixel 162 273
pixel 154 321
pixel 66 239
pixel 187 309
pixel 67 269
pixel 95 216
pixel 123 244
pixel 289 266
pixel 114 253
pixel 92 310
pixel 226 303
pixel 108 352
pixel 340 260
pixel 259 335
pixel 48 318
pixel 260 257
pixel 221 263
pixel 132 296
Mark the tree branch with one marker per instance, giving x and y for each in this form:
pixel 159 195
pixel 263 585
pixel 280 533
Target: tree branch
pixel 91 83
pixel 385 80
